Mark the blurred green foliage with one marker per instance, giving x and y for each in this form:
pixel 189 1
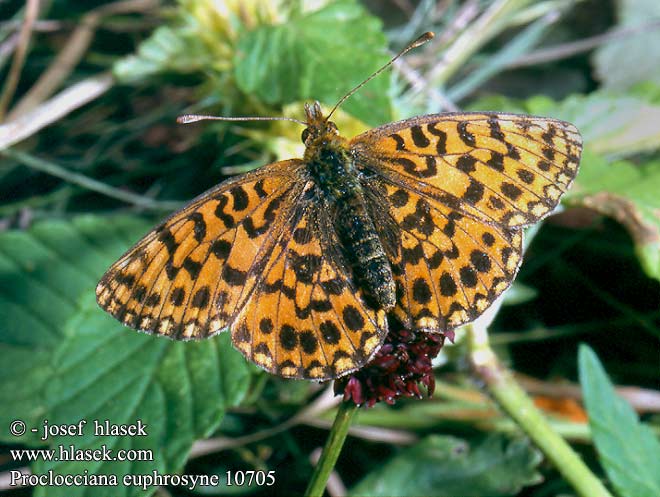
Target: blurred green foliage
pixel 447 467
pixel 64 361
pixel 622 441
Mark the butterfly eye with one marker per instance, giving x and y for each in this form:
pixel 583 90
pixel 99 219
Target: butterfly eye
pixel 305 135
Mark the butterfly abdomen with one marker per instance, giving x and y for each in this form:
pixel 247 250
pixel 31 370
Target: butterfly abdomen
pixel 364 250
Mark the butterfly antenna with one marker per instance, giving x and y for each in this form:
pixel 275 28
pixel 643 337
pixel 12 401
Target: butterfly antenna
pixel 418 42
pixel 193 118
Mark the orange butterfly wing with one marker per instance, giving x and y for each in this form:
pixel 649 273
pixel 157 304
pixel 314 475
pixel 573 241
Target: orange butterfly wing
pixel 257 255
pixel 189 277
pixel 454 191
pixel 306 317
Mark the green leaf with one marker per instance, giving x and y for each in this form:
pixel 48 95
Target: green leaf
pixel 628 450
pixel 519 294
pixel 647 90
pixel 319 55
pixel 65 360
pixel 622 62
pixel 447 467
pixel 167 49
pixel 627 193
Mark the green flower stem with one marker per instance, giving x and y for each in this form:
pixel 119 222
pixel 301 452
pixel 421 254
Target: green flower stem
pixel 517 404
pixel 332 448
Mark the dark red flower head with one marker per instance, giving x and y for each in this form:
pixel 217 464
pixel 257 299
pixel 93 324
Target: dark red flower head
pixel 397 369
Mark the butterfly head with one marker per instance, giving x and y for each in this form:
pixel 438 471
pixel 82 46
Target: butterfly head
pixel 319 130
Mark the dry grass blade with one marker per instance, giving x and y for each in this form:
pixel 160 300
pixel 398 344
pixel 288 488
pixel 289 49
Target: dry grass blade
pixel 642 399
pixel 31 13
pixel 72 53
pixel 566 50
pixel 52 110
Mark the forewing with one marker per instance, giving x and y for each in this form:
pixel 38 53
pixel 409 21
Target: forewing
pixel 453 191
pixel 504 169
pixel 189 277
pixel 448 267
pixel 307 318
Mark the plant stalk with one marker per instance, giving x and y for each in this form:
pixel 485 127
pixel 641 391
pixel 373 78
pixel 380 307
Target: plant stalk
pixel 517 404
pixel 332 448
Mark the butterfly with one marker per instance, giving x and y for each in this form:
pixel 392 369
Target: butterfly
pixel 303 259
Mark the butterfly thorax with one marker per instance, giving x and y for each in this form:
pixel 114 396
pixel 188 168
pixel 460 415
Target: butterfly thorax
pixel 331 167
